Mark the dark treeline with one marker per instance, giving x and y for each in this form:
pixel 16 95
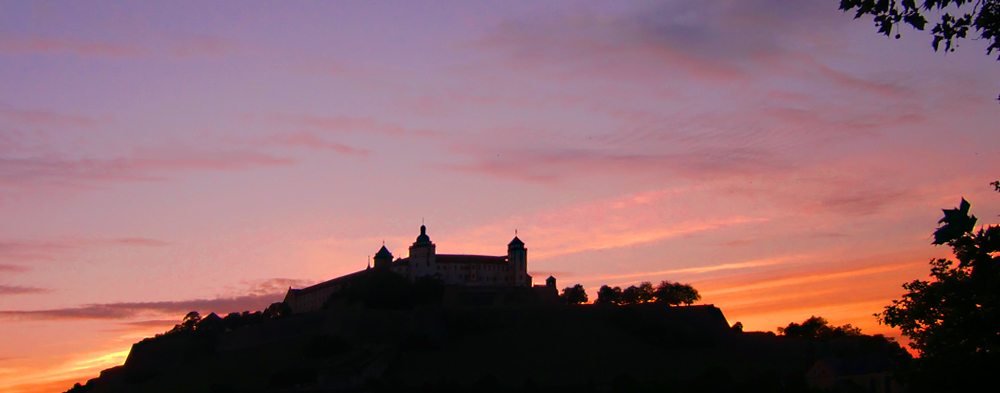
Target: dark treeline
pixel 667 292
pixel 212 323
pixel 818 327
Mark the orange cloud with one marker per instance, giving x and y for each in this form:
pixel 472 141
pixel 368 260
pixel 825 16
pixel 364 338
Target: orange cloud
pixel 809 279
pixel 701 269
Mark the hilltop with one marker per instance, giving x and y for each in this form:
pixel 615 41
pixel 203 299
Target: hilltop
pixel 351 347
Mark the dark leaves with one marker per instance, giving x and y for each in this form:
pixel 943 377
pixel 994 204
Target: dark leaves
pixel 984 18
pixel 955 224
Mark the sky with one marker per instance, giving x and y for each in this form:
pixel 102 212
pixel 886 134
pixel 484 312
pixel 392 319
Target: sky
pixel 781 157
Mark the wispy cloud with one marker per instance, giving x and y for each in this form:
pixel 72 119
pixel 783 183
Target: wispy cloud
pixel 624 221
pixel 805 279
pixel 550 166
pixel 146 165
pixel 125 310
pixel 49 250
pixel 19 290
pixel 309 140
pixel 47 117
pixel 343 124
pixel 143 326
pixel 203 46
pixel 135 241
pixel 274 285
pixel 10 43
pixel 13 269
pixel 701 269
pixel 715 40
pixel 20 250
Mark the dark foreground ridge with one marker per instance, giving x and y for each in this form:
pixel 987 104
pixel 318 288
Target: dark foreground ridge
pixel 534 347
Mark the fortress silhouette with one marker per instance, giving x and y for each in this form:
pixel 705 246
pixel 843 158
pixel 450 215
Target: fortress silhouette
pixel 483 271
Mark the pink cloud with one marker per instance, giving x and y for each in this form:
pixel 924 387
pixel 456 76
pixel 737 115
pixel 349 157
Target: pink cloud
pixel 304 139
pixel 125 310
pixel 6 290
pixel 338 124
pixel 139 241
pixel 49 118
pixel 34 250
pixel 38 44
pixel 551 166
pixel 697 270
pixel 322 67
pixel 52 250
pixel 13 268
pixel 145 165
pixel 586 53
pixel 273 285
pixel 204 46
pixel 364 124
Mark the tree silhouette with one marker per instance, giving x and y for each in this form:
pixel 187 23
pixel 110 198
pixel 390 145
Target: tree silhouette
pixel 954 319
pixel 675 293
pixel 630 295
pixel 187 323
pixel 818 327
pixel 574 295
pixel 609 295
pixel 645 292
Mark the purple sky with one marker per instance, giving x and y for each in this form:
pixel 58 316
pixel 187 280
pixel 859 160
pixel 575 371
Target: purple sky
pixel 155 159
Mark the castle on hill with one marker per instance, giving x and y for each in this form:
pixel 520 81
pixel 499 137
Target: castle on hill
pixel 506 271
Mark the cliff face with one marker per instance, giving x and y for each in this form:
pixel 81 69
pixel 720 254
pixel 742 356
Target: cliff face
pixel 351 347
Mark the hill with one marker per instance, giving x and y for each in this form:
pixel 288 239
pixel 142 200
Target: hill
pixel 349 347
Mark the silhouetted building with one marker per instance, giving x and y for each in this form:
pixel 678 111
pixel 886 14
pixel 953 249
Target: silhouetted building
pixel 872 373
pixel 509 270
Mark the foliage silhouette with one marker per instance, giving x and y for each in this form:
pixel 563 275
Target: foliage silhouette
pixel 187 323
pixel 983 17
pixel 78 388
pixel 574 295
pixel 672 293
pixel 675 293
pixel 818 327
pixel 631 295
pixel 954 319
pixel 609 295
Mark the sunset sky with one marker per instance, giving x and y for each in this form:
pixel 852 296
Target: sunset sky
pixel 784 159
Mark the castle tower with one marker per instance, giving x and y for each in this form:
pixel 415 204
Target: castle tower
pixel 383 258
pixel 517 258
pixel 422 256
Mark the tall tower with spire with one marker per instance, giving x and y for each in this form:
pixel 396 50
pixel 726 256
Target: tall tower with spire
pixel 422 256
pixel 517 258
